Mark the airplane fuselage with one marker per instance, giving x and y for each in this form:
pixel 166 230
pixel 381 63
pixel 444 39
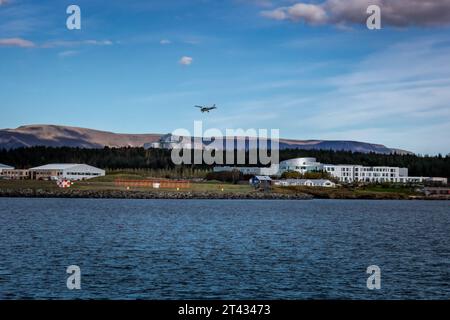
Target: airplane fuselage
pixel 206 109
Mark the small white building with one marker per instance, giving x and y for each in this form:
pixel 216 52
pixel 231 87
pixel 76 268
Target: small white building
pixel 305 182
pixel 70 171
pixel 4 167
pixel 437 180
pixel 258 180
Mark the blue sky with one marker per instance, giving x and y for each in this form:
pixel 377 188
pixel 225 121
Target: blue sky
pixel 311 69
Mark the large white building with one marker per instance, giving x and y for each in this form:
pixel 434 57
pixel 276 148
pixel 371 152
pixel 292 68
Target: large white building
pixel 70 171
pixel 343 173
pixel 358 173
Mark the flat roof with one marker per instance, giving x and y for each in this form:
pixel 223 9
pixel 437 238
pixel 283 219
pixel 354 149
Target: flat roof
pixel 4 166
pixel 58 166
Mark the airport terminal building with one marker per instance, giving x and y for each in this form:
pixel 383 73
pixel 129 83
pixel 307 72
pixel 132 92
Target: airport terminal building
pixel 65 171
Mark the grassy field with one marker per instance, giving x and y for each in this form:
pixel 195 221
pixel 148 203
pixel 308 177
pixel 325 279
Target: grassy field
pixel 107 183
pixel 389 189
pixel 28 184
pixel 100 184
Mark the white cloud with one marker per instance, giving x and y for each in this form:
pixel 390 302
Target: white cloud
pixel 395 97
pixel 186 61
pixel 342 12
pixel 310 13
pixel 16 42
pixel 276 14
pixel 67 53
pixel 98 42
pixel 259 3
pixel 63 43
pixel 165 42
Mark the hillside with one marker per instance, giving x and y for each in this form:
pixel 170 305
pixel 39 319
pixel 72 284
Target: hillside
pixel 64 136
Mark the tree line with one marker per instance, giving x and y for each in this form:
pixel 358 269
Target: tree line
pixel 140 158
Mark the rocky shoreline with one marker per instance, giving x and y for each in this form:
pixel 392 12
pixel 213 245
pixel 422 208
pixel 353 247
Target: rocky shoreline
pixel 123 194
pixel 118 194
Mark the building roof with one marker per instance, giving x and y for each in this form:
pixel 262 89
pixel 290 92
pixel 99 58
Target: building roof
pixel 59 166
pixel 4 166
pixel 315 181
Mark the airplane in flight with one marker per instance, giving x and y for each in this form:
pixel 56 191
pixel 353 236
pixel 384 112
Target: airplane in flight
pixel 204 109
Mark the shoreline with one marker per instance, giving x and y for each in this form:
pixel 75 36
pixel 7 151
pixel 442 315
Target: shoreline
pixel 117 194
pixel 207 195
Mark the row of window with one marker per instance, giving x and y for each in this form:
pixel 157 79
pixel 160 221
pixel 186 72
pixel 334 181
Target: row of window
pixel 83 174
pixel 365 169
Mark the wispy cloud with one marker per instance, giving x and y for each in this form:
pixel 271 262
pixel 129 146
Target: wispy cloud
pixel 16 42
pixel 21 18
pixel 186 61
pixel 64 43
pixel 24 43
pixel 67 53
pixel 400 89
pixel 259 3
pixel 165 42
pixel 398 13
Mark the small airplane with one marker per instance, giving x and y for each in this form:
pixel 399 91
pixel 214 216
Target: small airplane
pixel 204 109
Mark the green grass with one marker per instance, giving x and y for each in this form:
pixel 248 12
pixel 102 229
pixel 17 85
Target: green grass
pixel 107 183
pixel 389 189
pixel 27 184
pixel 120 175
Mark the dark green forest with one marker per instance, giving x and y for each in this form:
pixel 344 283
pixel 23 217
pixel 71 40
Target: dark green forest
pixel 140 158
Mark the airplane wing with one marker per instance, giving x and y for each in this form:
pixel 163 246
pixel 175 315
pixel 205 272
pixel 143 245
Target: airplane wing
pixel 198 107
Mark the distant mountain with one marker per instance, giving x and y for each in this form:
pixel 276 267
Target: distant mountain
pixel 63 136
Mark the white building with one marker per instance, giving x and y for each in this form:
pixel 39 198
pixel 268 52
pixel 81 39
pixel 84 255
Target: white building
pixel 5 167
pixel 347 173
pixel 260 180
pixel 305 182
pixel 437 180
pixel 301 165
pixel 358 173
pixel 344 173
pixel 69 171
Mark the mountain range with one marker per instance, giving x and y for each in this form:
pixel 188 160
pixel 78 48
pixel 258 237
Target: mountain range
pixel 65 136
